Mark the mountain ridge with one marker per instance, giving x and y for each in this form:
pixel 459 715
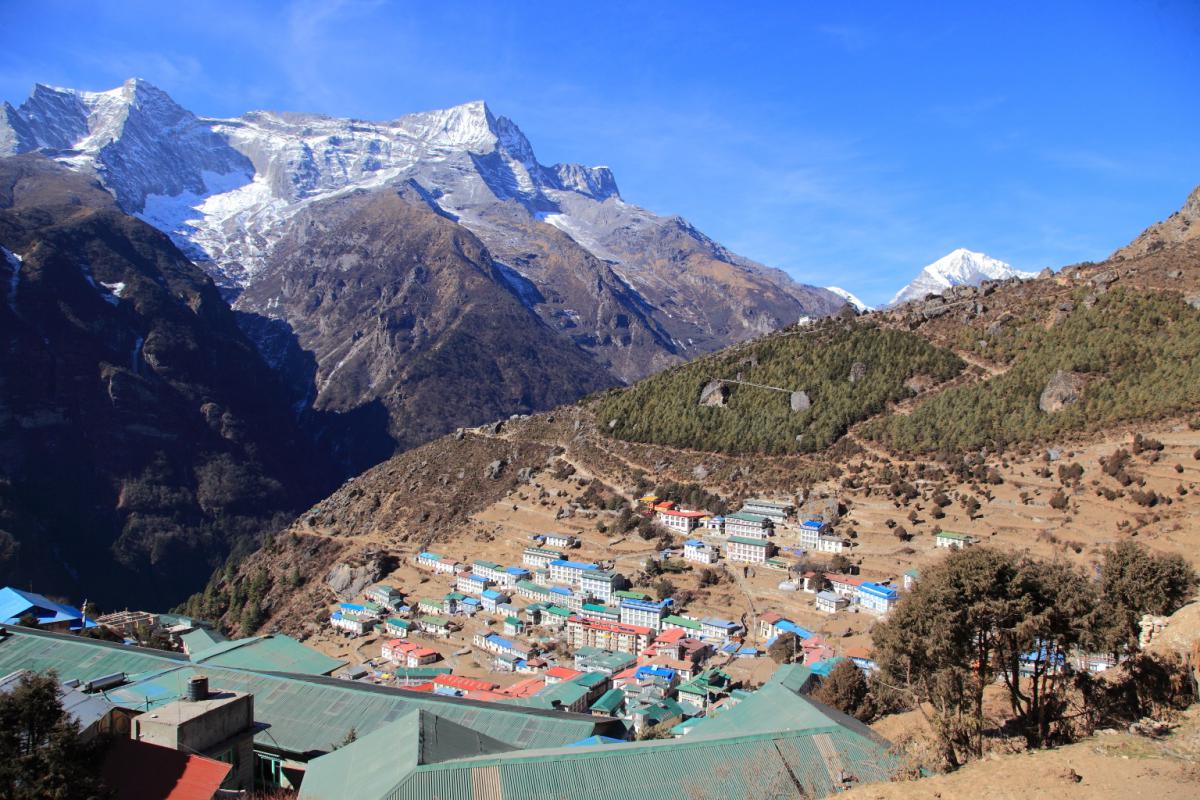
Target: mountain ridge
pixel 631 290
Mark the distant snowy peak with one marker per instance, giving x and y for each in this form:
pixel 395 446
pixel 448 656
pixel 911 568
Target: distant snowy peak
pixel 859 305
pixel 957 268
pixel 135 138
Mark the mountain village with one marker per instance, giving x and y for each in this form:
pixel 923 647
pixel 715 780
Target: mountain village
pixel 351 452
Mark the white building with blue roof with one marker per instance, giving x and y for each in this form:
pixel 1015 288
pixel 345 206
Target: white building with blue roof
pixel 877 598
pixel 700 552
pixel 569 572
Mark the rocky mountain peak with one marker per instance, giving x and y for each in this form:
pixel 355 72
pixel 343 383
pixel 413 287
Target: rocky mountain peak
pixel 957 268
pixel 1180 227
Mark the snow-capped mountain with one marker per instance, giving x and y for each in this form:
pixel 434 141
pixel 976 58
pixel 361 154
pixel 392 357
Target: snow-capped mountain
pixel 222 188
pixel 956 268
pixel 390 252
pixel 859 305
pixel 135 137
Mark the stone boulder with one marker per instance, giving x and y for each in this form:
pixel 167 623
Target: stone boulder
pixel 858 371
pixel 825 509
pixel 495 468
pixel 348 582
pixel 999 323
pixel 800 401
pixel 1061 390
pixel 715 394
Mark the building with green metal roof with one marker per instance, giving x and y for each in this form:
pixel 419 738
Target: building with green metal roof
pixel 299 716
pixel 610 703
pixel 271 653
pixel 595 659
pixel 676 621
pixel 812 754
pixel 200 639
pixel 380 760
pixel 774 744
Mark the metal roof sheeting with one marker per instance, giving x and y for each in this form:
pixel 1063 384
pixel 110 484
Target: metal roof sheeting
pixel 301 714
pixel 272 653
pixel 774 744
pixel 763 767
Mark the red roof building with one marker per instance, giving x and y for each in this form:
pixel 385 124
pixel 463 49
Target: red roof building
pixel 140 771
pixel 560 674
pixel 462 684
pixel 525 688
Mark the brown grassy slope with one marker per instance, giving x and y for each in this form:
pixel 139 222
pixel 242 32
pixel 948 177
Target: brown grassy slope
pixel 430 494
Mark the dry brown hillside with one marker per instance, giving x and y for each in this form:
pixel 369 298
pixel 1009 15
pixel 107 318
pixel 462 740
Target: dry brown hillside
pixel 479 493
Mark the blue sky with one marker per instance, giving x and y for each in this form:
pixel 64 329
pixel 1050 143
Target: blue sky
pixel 850 146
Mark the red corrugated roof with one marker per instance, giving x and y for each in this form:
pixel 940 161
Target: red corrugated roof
pixel 565 673
pixel 140 771
pixel 463 684
pixel 688 514
pixel 526 687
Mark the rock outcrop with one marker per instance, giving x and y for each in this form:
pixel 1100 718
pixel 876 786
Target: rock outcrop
pixel 1062 390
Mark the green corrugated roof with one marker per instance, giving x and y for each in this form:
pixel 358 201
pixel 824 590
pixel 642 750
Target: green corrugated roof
pixel 608 659
pixel 745 517
pixel 683 622
pixel 951 535
pixel 600 608
pixel 301 714
pixel 748 540
pixel 201 639
pixel 792 676
pixel 761 767
pixel 377 762
pixel 558 695
pixel 76 657
pixel 272 653
pixel 590 679
pixel 435 621
pixel 414 673
pixel 609 702
pixel 772 762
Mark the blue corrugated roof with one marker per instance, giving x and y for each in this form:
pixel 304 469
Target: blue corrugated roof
pixel 562 562
pixel 878 590
pixel 791 627
pixel 15 604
